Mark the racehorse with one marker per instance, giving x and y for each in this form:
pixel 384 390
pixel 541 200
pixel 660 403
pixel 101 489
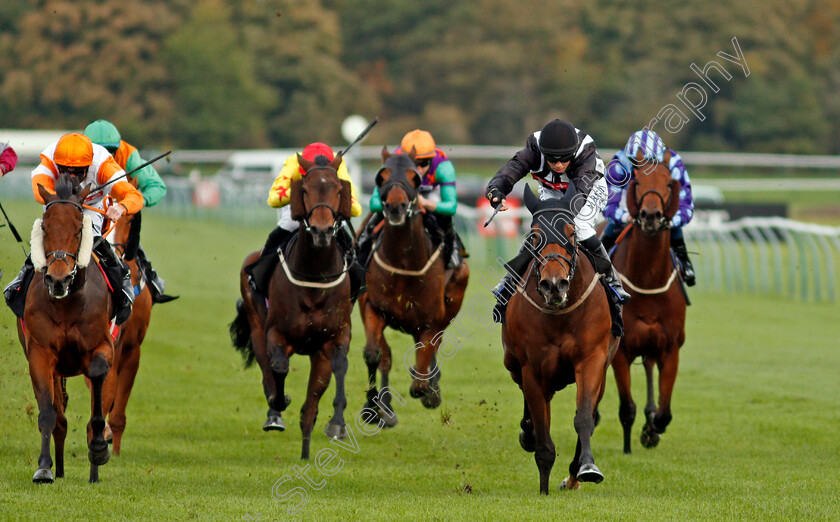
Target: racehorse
pixel 66 324
pixel 118 387
pixel 654 319
pixel 408 289
pixel 557 333
pixel 308 309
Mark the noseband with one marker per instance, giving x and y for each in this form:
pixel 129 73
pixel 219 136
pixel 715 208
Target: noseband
pixel 571 262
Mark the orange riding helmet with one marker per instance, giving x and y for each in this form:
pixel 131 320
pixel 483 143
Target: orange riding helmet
pixel 422 142
pixel 74 150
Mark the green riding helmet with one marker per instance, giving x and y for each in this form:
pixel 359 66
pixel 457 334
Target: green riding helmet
pixel 103 132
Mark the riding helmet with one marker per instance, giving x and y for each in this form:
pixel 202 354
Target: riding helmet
pixel 422 142
pixel 104 133
pixel 559 139
pixel 73 150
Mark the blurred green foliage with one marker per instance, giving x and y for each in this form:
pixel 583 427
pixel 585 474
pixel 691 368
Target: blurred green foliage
pixel 257 73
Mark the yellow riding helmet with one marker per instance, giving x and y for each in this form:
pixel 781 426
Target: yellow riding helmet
pixel 422 142
pixel 74 150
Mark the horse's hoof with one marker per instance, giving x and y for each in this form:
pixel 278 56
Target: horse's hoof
pixel 590 473
pixel 43 476
pixel 97 454
pixel 431 399
pixel 274 423
pixel 389 419
pixel 415 392
pixel 528 443
pixel 649 438
pixel 570 484
pixel 370 416
pixel 335 431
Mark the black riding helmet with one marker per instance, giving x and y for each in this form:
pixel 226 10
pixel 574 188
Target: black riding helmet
pixel 558 141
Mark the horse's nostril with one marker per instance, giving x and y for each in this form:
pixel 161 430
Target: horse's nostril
pixel 545 286
pixel 643 214
pixel 658 215
pixel 564 285
pixel 49 279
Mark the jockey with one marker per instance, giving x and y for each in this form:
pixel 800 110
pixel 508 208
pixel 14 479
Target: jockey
pixel 619 174
pixel 75 155
pixel 437 172
pixel 8 159
pixel 279 197
pixel 557 155
pixel 148 182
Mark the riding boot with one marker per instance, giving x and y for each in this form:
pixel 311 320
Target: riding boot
pixel 451 249
pixel 506 288
pixel 119 275
pixel 156 284
pixel 364 245
pixel 15 292
pixel 274 240
pixel 260 270
pixel 356 271
pixel 678 246
pixel 616 293
pixel 608 241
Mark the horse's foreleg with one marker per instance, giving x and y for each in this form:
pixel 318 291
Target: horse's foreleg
pixel 278 355
pixel 375 345
pixel 319 378
pixel 426 373
pixel 41 366
pixel 626 406
pixel 540 410
pixel 60 432
pixel 649 437
pixel 667 378
pixel 335 429
pixel 588 377
pixel 97 371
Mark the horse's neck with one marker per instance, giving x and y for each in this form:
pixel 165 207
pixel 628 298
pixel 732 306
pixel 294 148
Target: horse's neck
pixel 407 246
pixel 307 260
pixel 647 259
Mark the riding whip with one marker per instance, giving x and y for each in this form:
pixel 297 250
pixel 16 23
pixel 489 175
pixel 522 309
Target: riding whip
pixel 362 135
pixel 13 229
pixel 132 171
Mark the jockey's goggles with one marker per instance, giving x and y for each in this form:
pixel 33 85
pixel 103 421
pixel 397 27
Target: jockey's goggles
pixel 423 162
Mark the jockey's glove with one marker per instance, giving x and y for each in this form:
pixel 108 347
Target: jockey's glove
pixel 495 196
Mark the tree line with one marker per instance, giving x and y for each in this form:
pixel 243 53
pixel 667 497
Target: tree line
pixel 281 73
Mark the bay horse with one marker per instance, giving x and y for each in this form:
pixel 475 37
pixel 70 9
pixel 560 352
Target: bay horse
pixel 66 324
pixel 654 319
pixel 558 333
pixel 408 289
pixel 308 309
pixel 120 381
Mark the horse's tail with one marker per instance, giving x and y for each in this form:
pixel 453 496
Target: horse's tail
pixel 240 334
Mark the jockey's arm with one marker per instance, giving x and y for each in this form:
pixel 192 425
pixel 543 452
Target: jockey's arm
pixel 686 210
pixel 445 177
pixel 149 182
pixel 122 191
pixel 355 206
pixel 8 159
pixel 278 196
pixel 375 201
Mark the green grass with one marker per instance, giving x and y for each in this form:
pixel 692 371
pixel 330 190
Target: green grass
pixel 754 434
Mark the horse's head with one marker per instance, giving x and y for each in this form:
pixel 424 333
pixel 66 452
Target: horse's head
pixel 398 182
pixel 62 240
pixel 553 244
pixel 653 197
pixel 320 200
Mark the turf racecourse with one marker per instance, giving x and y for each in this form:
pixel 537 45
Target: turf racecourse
pixel 754 435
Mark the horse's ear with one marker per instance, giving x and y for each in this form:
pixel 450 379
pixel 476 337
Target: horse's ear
pixel 674 205
pixel 345 205
pixel 666 159
pixel 336 162
pixel 531 200
pixel 304 163
pixel 632 204
pixel 46 195
pixel 385 153
pixel 296 204
pixel 413 153
pixel 84 192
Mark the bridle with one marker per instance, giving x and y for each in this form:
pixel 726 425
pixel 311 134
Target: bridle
pixel 410 192
pixel 664 222
pixel 571 260
pixel 338 219
pixel 62 255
